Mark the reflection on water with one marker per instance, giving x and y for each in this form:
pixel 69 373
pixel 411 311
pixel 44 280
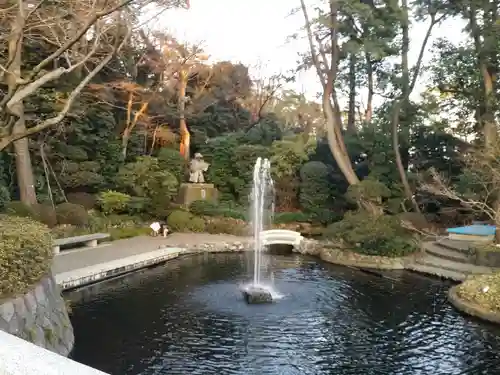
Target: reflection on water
pixel 188 317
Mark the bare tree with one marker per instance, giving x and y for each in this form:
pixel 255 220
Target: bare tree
pixel 480 190
pixel 83 36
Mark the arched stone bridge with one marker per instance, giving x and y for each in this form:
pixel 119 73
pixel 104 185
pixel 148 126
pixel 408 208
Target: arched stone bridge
pixel 281 236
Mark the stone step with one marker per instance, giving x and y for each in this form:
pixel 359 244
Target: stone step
pixel 457 245
pixel 436 271
pixel 436 250
pixel 467 269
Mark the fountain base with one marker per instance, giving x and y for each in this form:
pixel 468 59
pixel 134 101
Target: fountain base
pixel 255 294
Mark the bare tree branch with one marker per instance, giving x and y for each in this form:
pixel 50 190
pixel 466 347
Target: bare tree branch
pixel 5 141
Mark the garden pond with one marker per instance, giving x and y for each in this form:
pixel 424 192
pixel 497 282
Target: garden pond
pixel 188 317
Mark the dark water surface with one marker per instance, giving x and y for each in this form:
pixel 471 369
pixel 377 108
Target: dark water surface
pixel 188 317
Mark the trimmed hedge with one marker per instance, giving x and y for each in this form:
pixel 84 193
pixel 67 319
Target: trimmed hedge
pixel 73 214
pixel 25 254
pixel 183 221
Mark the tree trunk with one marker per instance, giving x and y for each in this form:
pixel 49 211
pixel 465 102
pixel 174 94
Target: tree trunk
pixel 403 103
pixel 487 119
pixel 334 142
pixel 369 102
pixel 125 140
pixel 183 129
pixel 351 115
pixel 24 168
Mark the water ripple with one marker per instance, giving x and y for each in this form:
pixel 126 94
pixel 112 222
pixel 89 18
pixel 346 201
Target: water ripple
pixel 188 317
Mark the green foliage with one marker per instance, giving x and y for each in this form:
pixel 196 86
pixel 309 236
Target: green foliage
pixel 243 161
pixel 18 208
pixel 4 196
pixel 72 214
pixel 206 208
pixel 225 225
pixel 265 132
pixel 183 221
pixel 45 214
pixel 86 200
pixel 231 165
pixel 368 190
pixel 128 232
pixel 171 161
pixel 113 202
pixel 77 174
pixel 292 217
pixel 197 225
pixel 39 212
pixel 137 205
pixel 25 254
pixel 203 208
pixel 118 226
pixel 288 155
pixel 145 178
pixel 363 233
pixel 315 190
pixel 218 152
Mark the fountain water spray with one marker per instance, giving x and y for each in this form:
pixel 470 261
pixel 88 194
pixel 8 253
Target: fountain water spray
pixel 262 211
pixel 262 203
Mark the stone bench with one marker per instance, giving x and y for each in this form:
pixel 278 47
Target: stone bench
pixel 89 240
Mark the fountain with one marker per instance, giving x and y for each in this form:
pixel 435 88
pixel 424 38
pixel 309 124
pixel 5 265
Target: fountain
pixel 262 203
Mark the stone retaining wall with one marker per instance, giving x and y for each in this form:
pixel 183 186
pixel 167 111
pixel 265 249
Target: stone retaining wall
pixel 348 258
pixel 40 316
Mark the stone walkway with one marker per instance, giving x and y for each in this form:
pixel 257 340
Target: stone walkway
pixel 450 259
pixel 71 260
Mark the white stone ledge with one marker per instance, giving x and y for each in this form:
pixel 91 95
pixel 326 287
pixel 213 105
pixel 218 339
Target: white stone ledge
pixel 102 271
pixel 19 357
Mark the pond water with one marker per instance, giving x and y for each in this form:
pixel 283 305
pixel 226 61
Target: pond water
pixel 188 317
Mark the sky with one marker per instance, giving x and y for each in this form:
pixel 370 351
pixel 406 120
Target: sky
pixel 255 33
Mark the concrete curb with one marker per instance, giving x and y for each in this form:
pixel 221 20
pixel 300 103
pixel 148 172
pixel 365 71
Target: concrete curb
pixel 470 308
pixel 103 271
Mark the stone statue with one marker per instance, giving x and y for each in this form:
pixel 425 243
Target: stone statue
pixel 196 168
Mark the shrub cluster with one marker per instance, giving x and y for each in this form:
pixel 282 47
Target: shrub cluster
pixel 72 214
pixel 25 254
pixel 184 221
pixel 113 202
pixel 207 208
pixel 361 232
pixel 292 217
pixel 64 213
pixel 221 225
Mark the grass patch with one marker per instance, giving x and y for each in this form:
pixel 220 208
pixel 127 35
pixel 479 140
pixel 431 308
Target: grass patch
pixel 472 291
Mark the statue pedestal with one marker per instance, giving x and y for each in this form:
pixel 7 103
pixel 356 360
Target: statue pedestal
pixel 190 192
